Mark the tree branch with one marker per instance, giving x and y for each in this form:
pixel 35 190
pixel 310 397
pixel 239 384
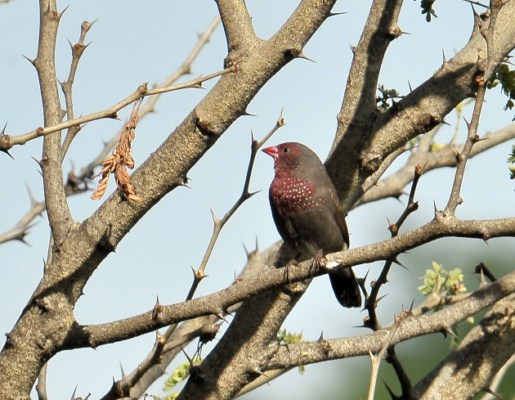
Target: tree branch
pixel 359 104
pixel 87 244
pixel 418 112
pixel 469 368
pixel 59 215
pixel 410 327
pixel 425 154
pixel 217 303
pixel 238 28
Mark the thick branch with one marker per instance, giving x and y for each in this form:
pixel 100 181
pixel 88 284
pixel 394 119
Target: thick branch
pixel 469 369
pixel 217 303
pixel 322 350
pixel 59 215
pixel 393 185
pixel 416 113
pixel 87 244
pixel 238 28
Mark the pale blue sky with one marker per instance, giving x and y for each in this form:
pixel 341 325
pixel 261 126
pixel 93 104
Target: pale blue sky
pixel 135 42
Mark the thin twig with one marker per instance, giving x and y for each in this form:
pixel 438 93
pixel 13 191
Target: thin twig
pixel 486 68
pixel 111 112
pixel 67 86
pixel 376 360
pixel 218 224
pixel 371 300
pixel 86 173
pixel 372 320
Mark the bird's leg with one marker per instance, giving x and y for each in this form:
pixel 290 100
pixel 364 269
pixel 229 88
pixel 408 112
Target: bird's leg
pixel 291 264
pixel 317 262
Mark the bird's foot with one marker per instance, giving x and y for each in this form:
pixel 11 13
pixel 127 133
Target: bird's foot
pixel 317 262
pixel 291 264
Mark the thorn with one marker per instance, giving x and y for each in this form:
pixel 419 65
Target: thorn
pixel 3 129
pixel 74 392
pixel 444 59
pixel 257 371
pixel 304 57
pixel 409 86
pixel 446 330
pixel 334 14
pixel 220 316
pixel 33 62
pixel 62 12
pixel 321 337
pixel 123 372
pixel 247 252
pixel 40 163
pixel 181 181
pixel 380 298
pixel 482 269
pixel 158 309
pixel 492 393
pixel 213 216
pixel 390 391
pixel 396 261
pixel 366 276
pixel 410 309
pixel 247 114
pixel 7 152
pixel 256 249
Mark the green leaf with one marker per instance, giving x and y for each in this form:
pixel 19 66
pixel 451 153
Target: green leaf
pixel 442 282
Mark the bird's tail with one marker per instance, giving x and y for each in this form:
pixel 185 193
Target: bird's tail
pixel 346 288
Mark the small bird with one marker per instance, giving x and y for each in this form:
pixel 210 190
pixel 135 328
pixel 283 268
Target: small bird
pixel 307 213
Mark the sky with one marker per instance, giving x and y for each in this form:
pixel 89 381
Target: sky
pixel 135 42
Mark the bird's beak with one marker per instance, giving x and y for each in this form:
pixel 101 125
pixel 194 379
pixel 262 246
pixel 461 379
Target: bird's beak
pixel 272 151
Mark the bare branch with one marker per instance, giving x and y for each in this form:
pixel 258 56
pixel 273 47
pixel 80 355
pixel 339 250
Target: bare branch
pixel 59 215
pixel 376 359
pixel 485 349
pixel 418 112
pixel 431 159
pixel 67 86
pixel 238 28
pixel 111 112
pixel 312 352
pixel 218 224
pixel 217 303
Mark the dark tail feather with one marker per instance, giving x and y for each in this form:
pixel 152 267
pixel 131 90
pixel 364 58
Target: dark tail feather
pixel 346 288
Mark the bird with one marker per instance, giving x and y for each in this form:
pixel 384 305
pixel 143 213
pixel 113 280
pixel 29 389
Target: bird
pixel 308 215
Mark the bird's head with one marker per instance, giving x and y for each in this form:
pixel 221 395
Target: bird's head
pixel 289 156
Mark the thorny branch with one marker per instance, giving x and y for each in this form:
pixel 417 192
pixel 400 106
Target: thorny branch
pixel 128 382
pixel 111 112
pixel 73 185
pixel 218 224
pixel 372 320
pixel 67 86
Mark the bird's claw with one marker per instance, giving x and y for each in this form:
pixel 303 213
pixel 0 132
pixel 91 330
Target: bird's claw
pixel 318 258
pixel 291 264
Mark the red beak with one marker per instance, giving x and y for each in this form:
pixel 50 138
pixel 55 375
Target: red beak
pixel 272 151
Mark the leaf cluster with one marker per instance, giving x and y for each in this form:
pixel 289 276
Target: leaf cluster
pixel 440 281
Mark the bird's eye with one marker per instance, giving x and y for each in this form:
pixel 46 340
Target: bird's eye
pixel 286 150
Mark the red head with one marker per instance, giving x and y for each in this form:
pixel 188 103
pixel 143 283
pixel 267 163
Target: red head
pixel 295 158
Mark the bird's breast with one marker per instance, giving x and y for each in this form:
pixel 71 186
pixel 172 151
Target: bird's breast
pixel 292 193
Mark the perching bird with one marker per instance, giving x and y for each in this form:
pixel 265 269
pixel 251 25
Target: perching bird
pixel 307 213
